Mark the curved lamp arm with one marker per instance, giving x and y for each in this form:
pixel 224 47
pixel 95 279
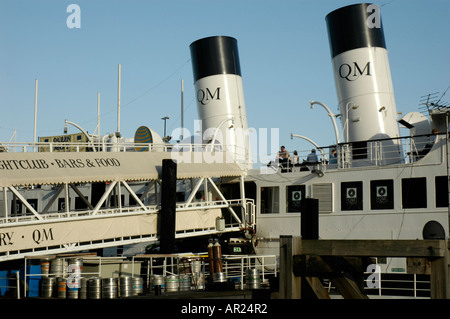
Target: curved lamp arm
pixel 82 130
pixel 331 115
pixel 213 140
pixel 312 142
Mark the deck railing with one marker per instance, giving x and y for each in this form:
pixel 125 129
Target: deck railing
pixel 376 152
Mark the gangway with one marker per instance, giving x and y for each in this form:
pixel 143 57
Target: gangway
pixel 59 202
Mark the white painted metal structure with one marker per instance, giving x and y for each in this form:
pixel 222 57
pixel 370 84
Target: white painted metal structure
pixel 43 192
pixel 370 192
pixel 378 201
pixel 220 95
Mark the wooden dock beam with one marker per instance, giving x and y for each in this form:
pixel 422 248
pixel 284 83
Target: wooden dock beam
pixel 304 258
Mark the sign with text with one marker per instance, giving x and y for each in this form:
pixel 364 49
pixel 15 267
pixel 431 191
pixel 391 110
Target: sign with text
pixel 22 169
pixel 70 143
pixel 75 231
pixel 74 167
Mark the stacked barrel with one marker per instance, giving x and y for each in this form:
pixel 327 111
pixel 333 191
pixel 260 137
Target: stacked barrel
pixel 189 277
pixel 63 278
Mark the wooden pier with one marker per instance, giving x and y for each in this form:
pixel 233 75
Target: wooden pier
pixel 303 261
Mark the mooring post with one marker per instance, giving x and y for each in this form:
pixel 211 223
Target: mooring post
pixel 167 214
pixel 302 258
pixel 309 223
pixel 440 281
pixel 290 285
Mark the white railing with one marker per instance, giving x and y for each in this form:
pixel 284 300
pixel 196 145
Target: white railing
pixel 381 152
pixel 234 266
pixel 393 285
pixel 76 216
pixel 402 150
pixel 12 286
pixel 106 212
pixel 64 271
pixel 17 147
pixel 248 211
pixel 409 285
pixel 52 216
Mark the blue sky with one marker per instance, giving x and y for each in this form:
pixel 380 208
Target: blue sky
pixel 284 55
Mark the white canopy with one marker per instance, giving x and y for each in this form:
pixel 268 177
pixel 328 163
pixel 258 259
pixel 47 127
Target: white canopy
pixel 83 167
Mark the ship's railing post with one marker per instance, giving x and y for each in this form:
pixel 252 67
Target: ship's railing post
pixel 18 284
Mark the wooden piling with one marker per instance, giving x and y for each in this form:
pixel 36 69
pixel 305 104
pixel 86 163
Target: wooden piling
pixel 167 213
pixel 300 258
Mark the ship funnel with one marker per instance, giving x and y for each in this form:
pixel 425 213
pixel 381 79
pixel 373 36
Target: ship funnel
pixel 147 139
pixel 220 96
pixel 363 78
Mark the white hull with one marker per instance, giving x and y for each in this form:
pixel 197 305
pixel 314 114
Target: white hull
pixel 363 221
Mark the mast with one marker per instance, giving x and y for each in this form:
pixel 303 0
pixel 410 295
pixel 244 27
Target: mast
pixel 182 109
pixel 118 103
pixel 35 109
pixel 98 114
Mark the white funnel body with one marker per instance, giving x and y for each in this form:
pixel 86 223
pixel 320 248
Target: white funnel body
pixel 220 96
pixel 363 81
pixel 366 94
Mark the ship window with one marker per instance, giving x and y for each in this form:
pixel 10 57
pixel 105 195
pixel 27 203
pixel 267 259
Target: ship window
pixel 351 196
pixel 414 192
pixel 62 204
pixel 294 196
pixel 16 207
pixel 270 200
pixel 80 203
pixel 441 183
pixel 324 193
pixel 132 201
pixel 382 194
pixel 33 203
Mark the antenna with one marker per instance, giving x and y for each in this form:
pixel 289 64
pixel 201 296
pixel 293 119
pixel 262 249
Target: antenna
pixel 443 95
pixel 434 101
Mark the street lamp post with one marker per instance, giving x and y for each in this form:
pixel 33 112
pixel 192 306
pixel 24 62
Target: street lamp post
pixel 347 107
pixel 165 118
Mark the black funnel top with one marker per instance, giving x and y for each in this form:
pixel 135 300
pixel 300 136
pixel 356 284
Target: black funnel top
pixel 350 28
pixel 215 55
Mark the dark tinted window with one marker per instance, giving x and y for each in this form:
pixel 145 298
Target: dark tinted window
pixel 270 200
pixel 441 183
pixel 80 203
pixel 414 192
